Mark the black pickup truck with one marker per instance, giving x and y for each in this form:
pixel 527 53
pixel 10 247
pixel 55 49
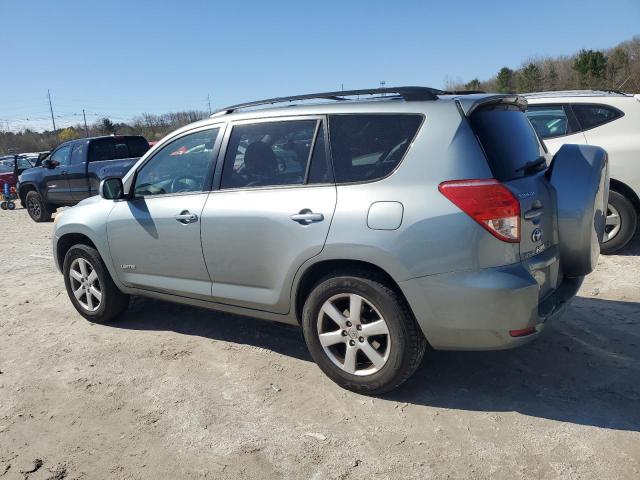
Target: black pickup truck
pixel 72 172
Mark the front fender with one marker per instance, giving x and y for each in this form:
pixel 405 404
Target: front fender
pixel 88 219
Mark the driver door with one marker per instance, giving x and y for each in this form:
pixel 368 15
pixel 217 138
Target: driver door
pixel 56 181
pixel 154 237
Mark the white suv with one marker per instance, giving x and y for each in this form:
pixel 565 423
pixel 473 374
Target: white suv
pixel 610 120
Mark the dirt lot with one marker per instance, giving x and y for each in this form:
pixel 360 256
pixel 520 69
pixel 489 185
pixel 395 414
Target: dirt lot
pixel 177 392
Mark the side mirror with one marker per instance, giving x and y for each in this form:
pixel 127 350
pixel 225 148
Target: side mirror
pixel 112 188
pixel 48 163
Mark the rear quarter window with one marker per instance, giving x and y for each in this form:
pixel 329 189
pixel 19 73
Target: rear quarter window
pixel 368 147
pixel 591 116
pixel 508 139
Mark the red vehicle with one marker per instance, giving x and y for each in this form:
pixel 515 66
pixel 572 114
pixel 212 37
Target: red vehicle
pixel 10 168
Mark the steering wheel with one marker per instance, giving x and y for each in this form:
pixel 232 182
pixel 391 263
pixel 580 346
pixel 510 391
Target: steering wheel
pixel 184 183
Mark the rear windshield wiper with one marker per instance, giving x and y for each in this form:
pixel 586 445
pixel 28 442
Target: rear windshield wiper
pixel 533 166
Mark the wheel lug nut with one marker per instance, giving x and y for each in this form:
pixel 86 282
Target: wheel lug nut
pixel 349 324
pixel 361 339
pixel 344 333
pixel 359 327
pixel 352 343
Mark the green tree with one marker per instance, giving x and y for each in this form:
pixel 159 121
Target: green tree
pixel 591 67
pixel 530 78
pixel 473 85
pixel 505 80
pixel 107 126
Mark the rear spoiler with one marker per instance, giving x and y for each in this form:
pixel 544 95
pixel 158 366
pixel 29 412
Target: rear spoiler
pixel 468 103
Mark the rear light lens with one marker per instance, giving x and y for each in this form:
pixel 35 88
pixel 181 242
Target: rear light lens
pixel 489 203
pixel 522 332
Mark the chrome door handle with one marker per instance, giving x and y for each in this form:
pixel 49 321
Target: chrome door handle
pixel 185 217
pixel 306 216
pixel 533 213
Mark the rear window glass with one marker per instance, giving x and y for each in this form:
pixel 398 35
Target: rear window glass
pixel 369 147
pixel 591 116
pixel 117 147
pixel 508 139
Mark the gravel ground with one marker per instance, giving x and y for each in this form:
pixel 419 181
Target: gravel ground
pixel 177 392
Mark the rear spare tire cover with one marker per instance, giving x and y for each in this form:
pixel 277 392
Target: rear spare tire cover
pixel 580 175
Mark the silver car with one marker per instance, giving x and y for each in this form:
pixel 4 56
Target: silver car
pixel 414 218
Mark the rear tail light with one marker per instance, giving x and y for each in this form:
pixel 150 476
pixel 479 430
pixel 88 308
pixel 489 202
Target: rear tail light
pixel 489 203
pixel 522 332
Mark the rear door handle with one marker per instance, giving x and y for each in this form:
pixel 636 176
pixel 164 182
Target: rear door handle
pixel 306 216
pixel 185 217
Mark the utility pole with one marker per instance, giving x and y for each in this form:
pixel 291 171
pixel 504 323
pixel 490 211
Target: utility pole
pixel 86 130
pixel 53 120
pixel 209 102
pixel 382 84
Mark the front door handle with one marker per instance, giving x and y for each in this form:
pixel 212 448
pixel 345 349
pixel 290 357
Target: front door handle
pixel 185 217
pixel 306 216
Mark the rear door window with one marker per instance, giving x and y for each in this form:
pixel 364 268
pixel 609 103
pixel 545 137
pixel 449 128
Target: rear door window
pixel 550 120
pixel 508 139
pixel 77 155
pixel 369 147
pixel 591 116
pixel 268 153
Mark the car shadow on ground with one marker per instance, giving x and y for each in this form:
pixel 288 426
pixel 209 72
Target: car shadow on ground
pixel 585 369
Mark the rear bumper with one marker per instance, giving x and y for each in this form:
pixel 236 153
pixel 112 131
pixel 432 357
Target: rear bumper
pixel 477 310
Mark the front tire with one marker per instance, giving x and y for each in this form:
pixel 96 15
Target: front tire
pixel 90 286
pixel 361 333
pixel 621 223
pixel 38 210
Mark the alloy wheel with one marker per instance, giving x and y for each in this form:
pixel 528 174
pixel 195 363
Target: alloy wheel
pixel 34 207
pixel 612 224
pixel 85 284
pixel 353 334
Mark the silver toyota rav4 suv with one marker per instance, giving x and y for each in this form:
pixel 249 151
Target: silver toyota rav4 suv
pixel 415 217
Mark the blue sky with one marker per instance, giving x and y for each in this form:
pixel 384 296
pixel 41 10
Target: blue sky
pixel 121 58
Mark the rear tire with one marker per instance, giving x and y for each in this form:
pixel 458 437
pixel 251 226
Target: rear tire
pixel 38 210
pixel 90 286
pixel 386 354
pixel 622 221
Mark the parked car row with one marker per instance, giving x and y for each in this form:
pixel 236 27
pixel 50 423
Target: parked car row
pixel 417 217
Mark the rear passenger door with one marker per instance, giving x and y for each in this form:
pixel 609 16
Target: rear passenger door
pixel 556 125
pixel 271 212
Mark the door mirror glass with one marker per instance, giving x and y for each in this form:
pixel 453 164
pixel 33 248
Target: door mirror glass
pixel 111 188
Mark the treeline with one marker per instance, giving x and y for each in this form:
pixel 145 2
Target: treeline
pixel 152 127
pixel 615 69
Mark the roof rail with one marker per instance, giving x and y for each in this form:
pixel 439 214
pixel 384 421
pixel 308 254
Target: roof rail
pixel 461 92
pixel 407 93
